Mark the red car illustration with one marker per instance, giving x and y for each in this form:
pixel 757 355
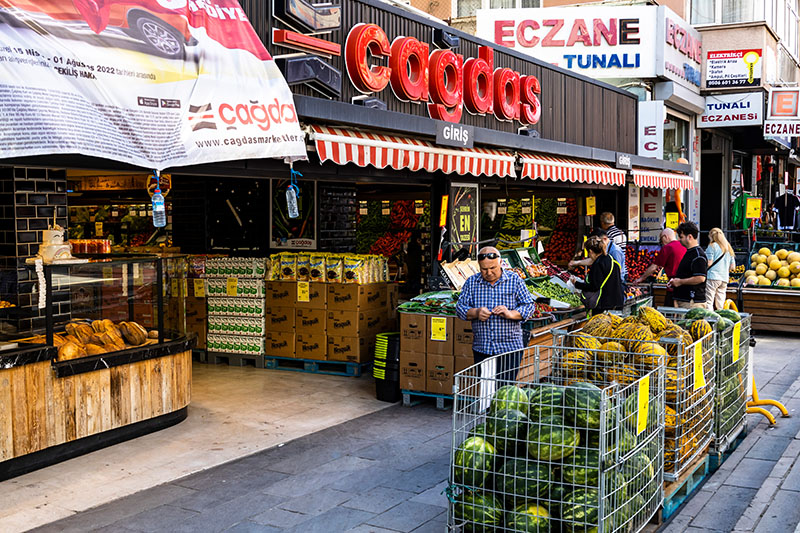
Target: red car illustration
pixel 164 30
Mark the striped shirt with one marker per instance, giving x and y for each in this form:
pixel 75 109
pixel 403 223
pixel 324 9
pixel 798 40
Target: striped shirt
pixel 618 236
pixel 497 334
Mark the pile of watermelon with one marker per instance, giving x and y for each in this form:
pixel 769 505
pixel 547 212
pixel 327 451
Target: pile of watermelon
pixel 535 464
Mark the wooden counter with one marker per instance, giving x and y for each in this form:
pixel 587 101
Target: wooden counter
pixel 52 411
pixel 772 309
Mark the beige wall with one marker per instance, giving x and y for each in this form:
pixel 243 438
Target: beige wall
pixel 678 6
pixel 438 8
pixel 742 36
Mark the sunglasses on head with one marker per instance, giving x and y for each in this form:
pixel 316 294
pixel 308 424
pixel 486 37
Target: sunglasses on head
pixel 490 255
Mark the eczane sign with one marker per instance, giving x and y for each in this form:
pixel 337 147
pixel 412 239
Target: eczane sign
pixel 783 113
pixel 741 109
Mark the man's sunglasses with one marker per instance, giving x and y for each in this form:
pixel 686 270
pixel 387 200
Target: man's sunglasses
pixel 490 255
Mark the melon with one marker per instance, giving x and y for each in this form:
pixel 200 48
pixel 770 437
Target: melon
pixel 783 282
pixel 774 264
pixel 761 269
pixel 771 275
pixel 760 258
pixel 795 282
pixel 751 280
pixel 772 258
pixel 784 272
pixel 763 281
pixel 765 251
pixel 793 257
pixel 782 254
pixel 753 258
pixel 752 273
pixel 794 267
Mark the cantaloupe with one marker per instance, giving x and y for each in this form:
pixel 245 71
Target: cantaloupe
pixel 783 282
pixel 792 257
pixel 771 275
pixel 752 273
pixel 751 280
pixel 765 251
pixel 794 267
pixel 782 254
pixel 761 258
pixel 764 281
pixel 775 265
pixel 784 272
pixel 761 269
pixel 795 282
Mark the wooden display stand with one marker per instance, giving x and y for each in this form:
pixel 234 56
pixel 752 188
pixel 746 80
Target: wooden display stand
pixel 771 309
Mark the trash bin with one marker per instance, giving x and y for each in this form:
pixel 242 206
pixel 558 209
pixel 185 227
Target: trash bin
pixel 386 367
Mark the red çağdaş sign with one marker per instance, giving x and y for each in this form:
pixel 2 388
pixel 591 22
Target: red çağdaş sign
pixel 442 79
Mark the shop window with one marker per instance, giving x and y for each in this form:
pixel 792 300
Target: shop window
pixel 676 138
pixel 467 8
pixel 732 11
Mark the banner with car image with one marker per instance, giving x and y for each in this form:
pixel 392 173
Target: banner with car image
pixel 153 83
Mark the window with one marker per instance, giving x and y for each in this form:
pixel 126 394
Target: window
pixel 467 8
pixel 676 138
pixel 731 11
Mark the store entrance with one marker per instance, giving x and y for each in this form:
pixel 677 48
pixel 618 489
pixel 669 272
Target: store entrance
pixel 712 195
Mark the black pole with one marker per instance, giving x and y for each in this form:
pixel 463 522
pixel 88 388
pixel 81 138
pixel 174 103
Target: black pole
pixel 160 299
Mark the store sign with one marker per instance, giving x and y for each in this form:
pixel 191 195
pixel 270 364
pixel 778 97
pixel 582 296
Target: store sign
pixel 444 81
pixel 652 219
pixel 783 113
pixel 202 88
pixel 464 217
pixel 623 161
pixel 739 109
pixel 651 129
pixel 458 135
pixel 601 42
pixel 734 68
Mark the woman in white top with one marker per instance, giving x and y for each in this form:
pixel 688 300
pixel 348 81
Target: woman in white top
pixel 721 261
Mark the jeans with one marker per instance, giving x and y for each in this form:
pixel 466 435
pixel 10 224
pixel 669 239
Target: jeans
pixel 508 365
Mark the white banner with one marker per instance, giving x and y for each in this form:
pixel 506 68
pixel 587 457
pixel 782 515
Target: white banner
pixel 732 110
pixel 153 83
pixel 651 128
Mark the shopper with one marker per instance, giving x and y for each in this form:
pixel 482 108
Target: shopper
pixel 496 302
pixel 605 277
pixel 689 283
pixel 668 258
pixel 721 260
pixel 611 249
pixel 614 233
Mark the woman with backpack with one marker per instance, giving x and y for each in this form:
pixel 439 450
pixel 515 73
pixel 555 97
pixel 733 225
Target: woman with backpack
pixel 721 260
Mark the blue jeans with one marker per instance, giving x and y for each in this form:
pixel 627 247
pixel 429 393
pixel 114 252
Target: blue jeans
pixel 508 365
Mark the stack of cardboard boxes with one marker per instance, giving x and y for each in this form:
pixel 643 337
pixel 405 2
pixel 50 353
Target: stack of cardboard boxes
pixel 327 321
pixel 432 349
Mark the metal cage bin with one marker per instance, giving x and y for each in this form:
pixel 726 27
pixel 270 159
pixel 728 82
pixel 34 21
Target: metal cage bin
pixel 565 451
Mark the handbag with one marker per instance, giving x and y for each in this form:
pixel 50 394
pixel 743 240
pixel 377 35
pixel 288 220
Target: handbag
pixel 591 298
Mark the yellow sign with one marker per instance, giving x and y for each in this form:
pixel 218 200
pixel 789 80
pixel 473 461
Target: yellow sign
pixel 443 212
pixel 199 288
pixel 591 206
pixel 644 404
pixel 173 285
pixel 138 279
pixel 737 335
pixel 108 275
pixel 672 220
pixel 753 208
pixel 533 208
pixel 699 375
pixel 98 229
pixel 184 287
pixel 232 286
pixel 438 328
pixel 303 291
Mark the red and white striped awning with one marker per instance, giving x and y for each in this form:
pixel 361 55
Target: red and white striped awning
pixel 546 167
pixel 662 180
pixel 344 146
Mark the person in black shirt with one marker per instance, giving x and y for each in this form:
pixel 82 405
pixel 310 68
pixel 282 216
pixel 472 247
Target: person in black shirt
pixel 605 275
pixel 689 282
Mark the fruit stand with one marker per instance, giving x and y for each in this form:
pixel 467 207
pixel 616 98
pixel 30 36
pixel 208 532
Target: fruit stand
pixel 770 291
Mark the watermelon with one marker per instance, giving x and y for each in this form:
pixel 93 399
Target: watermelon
pixel 698 313
pixel 528 518
pixel 479 431
pixel 506 429
pixel 582 468
pixel 580 510
pixel 723 324
pixel 482 511
pixel 582 405
pixel 509 397
pixel 545 401
pixel 552 440
pixel 639 470
pixel 524 478
pixel 730 314
pixel 473 462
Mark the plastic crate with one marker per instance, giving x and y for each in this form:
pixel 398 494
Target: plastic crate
pixel 583 457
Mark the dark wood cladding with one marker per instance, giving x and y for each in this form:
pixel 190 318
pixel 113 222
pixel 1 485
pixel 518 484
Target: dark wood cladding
pixel 574 110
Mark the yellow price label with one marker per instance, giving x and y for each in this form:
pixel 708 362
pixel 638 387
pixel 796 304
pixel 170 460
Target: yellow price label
pixel 533 208
pixel 672 220
pixel 591 205
pixel 199 288
pixel 173 287
pixel 108 275
pixel 737 335
pixel 699 374
pixel 644 404
pixel 438 328
pixel 752 208
pixel 303 291
pixel 98 229
pixel 232 286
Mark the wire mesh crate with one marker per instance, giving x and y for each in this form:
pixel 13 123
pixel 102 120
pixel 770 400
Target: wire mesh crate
pixel 730 402
pixel 564 451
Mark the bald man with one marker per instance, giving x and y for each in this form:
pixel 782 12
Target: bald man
pixel 496 301
pixel 672 251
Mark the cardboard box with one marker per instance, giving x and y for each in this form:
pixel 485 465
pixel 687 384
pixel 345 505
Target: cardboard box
pixel 392 299
pixel 198 327
pixel 462 338
pixel 345 296
pixel 412 371
pixel 280 293
pixel 413 333
pixel 440 347
pixel 279 344
pixel 317 296
pixel 310 321
pixel 280 319
pixel 461 363
pixel 351 349
pixel 309 346
pixel 354 323
pixel 439 374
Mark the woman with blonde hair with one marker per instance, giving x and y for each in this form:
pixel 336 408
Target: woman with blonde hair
pixel 721 260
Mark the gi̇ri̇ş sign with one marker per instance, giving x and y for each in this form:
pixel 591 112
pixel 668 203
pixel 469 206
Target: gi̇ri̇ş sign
pixel 741 109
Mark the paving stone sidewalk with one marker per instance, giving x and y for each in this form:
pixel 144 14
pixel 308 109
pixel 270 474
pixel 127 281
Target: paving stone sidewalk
pixel 383 472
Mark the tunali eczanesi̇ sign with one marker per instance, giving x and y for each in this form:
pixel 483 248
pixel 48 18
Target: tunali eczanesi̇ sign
pixel 153 83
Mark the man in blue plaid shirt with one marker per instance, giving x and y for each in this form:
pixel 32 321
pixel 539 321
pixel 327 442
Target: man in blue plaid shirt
pixel 496 301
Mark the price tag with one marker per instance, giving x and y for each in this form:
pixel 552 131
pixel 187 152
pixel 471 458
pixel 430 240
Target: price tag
pixel 533 208
pixel 502 206
pixel 561 206
pixel 142 213
pixel 137 275
pixel 363 208
pixel 737 335
pixel 303 291
pixel 386 207
pixel 108 275
pixel 98 229
pixel 443 212
pixel 525 206
pixel 419 207
pixel 644 404
pixel 232 286
pixel 699 375
pixel 173 287
pixel 672 220
pixel 753 208
pixel 591 205
pixel 438 328
pixel 199 288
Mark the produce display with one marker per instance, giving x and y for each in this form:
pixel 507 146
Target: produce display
pixel 637 259
pixel 82 338
pixel 781 269
pixel 436 303
pixel 562 243
pixel 736 274
pixel 507 227
pixel 548 289
pixel 327 268
pixel 5 305
pixel 555 270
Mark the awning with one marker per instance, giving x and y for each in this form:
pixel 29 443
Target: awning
pixel 344 146
pixel 545 167
pixel 662 180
